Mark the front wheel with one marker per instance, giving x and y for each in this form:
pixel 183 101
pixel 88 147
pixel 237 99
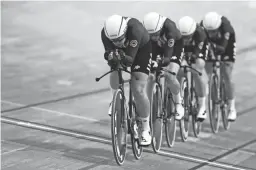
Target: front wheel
pixel 157 120
pixel 170 122
pixel 137 149
pixel 119 127
pixel 213 103
pixel 184 123
pixel 194 107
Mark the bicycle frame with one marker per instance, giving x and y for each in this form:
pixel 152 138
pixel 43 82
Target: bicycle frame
pixel 216 67
pixel 158 76
pixel 121 82
pixel 191 101
pixel 187 69
pixel 216 70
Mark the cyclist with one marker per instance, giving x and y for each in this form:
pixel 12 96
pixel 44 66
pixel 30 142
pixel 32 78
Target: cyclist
pixel 221 35
pixel 129 35
pixel 195 44
pixel 167 43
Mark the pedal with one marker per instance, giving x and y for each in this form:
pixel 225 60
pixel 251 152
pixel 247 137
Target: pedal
pixel 145 146
pixel 231 120
pixel 159 117
pixel 200 119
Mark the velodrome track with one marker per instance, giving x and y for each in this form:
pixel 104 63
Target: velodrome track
pixel 54 114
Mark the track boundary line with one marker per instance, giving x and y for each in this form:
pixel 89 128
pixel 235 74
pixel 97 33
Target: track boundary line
pixel 14 150
pixel 22 106
pixel 76 96
pixel 32 125
pixel 85 94
pixel 51 111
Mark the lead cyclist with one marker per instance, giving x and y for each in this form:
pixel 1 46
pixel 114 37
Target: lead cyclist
pixel 129 35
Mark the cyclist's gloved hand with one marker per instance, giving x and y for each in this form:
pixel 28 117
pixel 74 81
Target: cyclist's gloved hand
pixel 111 58
pixel 218 49
pixel 127 61
pixel 166 61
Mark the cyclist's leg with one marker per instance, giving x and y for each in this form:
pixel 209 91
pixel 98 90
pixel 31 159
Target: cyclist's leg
pixel 140 71
pixel 150 84
pixel 201 82
pixel 228 78
pixel 208 70
pixel 151 79
pixel 226 71
pixel 209 56
pixel 172 80
pixel 200 86
pixel 181 71
pixel 174 86
pixel 113 81
pixel 162 83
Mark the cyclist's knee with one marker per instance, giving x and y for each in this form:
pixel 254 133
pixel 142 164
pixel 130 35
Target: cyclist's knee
pixel 227 68
pixel 138 84
pixel 199 64
pixel 151 78
pixel 227 71
pixel 172 83
pixel 173 67
pixel 227 77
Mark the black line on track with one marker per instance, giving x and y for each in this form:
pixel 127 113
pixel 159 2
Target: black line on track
pixel 54 127
pixel 241 51
pixel 246 49
pixel 82 135
pixel 224 154
pixel 59 99
pixel 243 112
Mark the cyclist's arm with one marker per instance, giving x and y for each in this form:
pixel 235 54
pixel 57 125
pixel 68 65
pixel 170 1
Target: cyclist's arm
pixel 108 45
pixel 155 51
pixel 134 36
pixel 201 40
pixel 227 31
pixel 168 47
pixel 173 37
pixel 223 45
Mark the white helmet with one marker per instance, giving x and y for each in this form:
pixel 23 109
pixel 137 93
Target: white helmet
pixel 153 22
pixel 115 26
pixel 212 21
pixel 187 25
